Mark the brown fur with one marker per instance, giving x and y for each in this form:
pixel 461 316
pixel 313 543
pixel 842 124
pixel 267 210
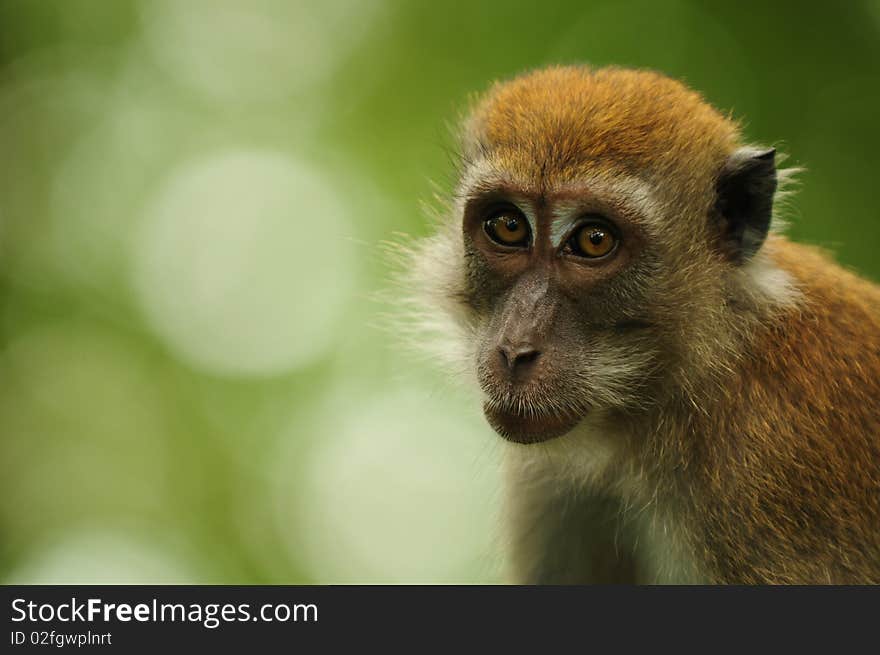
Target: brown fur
pixel 741 412
pixel 553 123
pixel 785 467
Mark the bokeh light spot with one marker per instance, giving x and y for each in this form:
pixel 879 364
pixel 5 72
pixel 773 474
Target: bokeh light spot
pixel 266 50
pixel 101 556
pixel 244 263
pixel 391 497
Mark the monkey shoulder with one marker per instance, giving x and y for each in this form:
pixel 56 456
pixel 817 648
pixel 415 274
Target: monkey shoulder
pixel 794 452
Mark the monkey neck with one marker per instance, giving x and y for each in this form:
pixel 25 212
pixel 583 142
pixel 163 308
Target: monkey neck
pixel 716 330
pixel 715 347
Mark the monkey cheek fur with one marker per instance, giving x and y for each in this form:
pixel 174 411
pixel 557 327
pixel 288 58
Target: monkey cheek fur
pixel 528 428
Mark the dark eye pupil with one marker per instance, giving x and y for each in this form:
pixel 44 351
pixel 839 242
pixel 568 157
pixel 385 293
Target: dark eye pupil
pixel 507 228
pixel 597 237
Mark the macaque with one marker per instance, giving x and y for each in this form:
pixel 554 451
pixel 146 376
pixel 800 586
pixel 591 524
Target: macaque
pixel 684 395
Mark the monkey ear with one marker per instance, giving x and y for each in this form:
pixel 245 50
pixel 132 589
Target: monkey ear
pixel 744 202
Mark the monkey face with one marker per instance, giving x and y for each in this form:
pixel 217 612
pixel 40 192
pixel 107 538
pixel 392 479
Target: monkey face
pixel 545 278
pixel 602 223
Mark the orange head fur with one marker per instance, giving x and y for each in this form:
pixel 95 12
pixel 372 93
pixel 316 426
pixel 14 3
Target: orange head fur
pixel 555 123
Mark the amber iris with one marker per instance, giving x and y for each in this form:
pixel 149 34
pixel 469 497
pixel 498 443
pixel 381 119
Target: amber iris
pixel 508 229
pixel 594 241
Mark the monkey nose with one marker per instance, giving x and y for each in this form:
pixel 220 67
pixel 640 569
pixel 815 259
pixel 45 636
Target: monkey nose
pixel 518 360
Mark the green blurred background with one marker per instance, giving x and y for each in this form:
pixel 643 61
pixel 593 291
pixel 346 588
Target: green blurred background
pixel 192 193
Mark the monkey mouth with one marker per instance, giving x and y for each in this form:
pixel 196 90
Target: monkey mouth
pixel 526 428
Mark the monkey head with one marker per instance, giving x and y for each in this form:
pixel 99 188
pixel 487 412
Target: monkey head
pixel 605 239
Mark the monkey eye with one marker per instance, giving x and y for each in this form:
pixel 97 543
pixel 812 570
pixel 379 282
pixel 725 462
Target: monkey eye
pixel 593 239
pixel 508 227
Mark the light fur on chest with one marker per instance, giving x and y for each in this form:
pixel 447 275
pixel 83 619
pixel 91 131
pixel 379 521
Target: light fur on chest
pixel 547 522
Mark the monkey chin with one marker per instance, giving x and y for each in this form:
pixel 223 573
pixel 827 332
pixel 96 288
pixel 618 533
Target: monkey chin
pixel 527 429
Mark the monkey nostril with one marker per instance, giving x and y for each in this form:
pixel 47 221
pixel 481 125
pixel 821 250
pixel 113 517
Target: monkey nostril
pixel 525 357
pixel 519 360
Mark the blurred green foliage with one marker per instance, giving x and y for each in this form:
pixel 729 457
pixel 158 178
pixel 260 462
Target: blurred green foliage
pixel 191 198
